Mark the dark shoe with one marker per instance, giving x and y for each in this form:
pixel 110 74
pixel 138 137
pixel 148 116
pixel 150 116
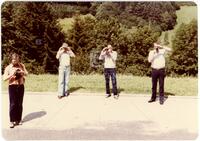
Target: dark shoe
pixel 12 125
pixel 152 100
pixel 59 97
pixel 67 94
pixel 116 96
pixel 161 102
pixel 18 123
pixel 108 95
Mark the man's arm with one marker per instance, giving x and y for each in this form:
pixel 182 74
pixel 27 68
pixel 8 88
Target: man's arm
pixel 25 72
pixel 167 48
pixel 60 51
pixel 114 56
pixel 151 56
pixel 103 52
pixel 164 47
pixel 71 53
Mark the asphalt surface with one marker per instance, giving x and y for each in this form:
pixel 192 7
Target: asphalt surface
pixel 94 117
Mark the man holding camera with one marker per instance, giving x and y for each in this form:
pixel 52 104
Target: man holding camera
pixel 15 73
pixel 157 59
pixel 64 53
pixel 109 56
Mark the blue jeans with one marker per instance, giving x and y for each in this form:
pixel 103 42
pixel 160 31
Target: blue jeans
pixel 63 80
pixel 110 72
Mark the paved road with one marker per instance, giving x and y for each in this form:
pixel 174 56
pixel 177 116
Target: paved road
pixel 88 116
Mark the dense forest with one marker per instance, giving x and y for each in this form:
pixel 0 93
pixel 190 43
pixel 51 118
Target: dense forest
pixel 32 29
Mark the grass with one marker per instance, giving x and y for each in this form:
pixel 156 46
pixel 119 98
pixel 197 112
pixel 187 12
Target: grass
pixel 185 86
pixel 66 24
pixel 185 15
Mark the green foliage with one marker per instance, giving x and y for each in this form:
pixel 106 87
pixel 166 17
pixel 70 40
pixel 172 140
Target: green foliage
pixel 69 9
pixel 184 58
pixel 36 35
pixel 34 31
pixel 161 14
pixel 90 35
pixel 87 35
pixel 189 3
pixel 133 51
pixel 8 32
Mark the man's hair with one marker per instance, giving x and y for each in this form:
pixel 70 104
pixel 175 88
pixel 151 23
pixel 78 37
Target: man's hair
pixel 15 56
pixel 158 42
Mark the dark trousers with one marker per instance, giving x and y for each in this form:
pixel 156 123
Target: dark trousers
pixel 16 94
pixel 110 72
pixel 158 75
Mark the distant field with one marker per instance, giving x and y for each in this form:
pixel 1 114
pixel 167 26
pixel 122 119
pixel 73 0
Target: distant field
pixel 187 86
pixel 184 15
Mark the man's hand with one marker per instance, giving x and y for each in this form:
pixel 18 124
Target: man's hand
pixel 60 48
pixel 157 45
pixel 68 48
pixel 105 48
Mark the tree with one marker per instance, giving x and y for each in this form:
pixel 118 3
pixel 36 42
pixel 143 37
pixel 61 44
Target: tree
pixel 37 35
pixel 185 57
pixel 133 50
pixel 162 14
pixel 8 32
pixel 87 37
pixel 69 9
pixel 79 38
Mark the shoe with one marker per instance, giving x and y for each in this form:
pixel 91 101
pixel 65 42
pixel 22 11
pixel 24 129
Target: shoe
pixel 161 102
pixel 108 95
pixel 59 97
pixel 116 96
pixel 152 100
pixel 12 125
pixel 18 123
pixel 67 94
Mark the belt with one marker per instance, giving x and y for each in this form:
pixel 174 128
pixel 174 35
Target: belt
pixel 158 69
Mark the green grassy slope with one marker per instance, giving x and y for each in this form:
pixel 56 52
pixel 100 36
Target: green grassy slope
pixel 184 15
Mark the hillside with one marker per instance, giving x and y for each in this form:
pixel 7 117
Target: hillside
pixel 184 15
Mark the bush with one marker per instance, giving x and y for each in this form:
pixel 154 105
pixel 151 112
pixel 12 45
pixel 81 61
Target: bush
pixel 184 59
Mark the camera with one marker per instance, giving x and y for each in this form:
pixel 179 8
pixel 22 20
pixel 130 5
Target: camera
pixel 18 74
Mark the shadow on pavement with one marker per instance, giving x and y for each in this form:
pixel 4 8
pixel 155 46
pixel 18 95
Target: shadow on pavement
pixel 73 89
pixel 139 130
pixel 119 90
pixel 34 115
pixel 168 93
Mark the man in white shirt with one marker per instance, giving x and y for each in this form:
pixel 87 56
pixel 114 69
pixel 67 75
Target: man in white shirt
pixel 157 59
pixel 64 53
pixel 109 56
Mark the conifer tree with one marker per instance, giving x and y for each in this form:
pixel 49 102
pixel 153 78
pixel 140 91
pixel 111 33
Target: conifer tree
pixel 37 35
pixel 184 59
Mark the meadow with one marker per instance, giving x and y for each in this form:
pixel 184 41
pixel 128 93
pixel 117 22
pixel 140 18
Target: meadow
pixel 185 15
pixel 95 83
